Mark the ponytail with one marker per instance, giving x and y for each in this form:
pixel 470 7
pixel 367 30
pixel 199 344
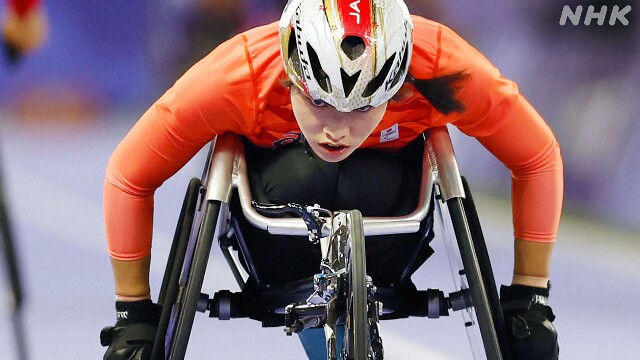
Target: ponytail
pixel 442 91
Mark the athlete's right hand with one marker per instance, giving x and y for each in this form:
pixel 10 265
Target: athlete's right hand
pixel 133 335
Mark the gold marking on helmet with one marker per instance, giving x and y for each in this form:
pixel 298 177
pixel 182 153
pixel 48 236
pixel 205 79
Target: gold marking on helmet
pixel 374 35
pixel 330 13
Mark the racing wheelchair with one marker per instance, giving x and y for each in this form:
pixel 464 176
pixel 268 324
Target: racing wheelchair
pixel 338 289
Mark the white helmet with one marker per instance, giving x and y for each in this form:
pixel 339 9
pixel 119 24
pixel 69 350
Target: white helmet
pixel 351 54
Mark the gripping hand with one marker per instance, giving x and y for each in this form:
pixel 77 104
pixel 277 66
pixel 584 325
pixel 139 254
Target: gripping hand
pixel 529 318
pixel 133 335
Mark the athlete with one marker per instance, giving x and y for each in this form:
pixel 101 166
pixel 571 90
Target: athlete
pixel 343 77
pixel 24 27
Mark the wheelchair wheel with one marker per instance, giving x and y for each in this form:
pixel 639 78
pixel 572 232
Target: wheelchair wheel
pixel 170 286
pixel 472 274
pixel 477 287
pixel 485 269
pixel 358 341
pixel 191 279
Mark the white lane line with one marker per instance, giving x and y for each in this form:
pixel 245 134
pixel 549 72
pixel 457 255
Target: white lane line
pixel 586 241
pixel 59 212
pixel 400 348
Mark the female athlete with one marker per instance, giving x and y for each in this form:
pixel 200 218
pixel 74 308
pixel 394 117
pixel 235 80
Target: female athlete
pixel 338 77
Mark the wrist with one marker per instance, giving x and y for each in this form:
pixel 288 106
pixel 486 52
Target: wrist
pixel 521 297
pixel 533 281
pixel 132 297
pixel 137 311
pixel 131 277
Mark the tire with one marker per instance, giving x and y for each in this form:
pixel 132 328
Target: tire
pixel 477 283
pixel 358 339
pixel 486 270
pixel 195 265
pixel 170 286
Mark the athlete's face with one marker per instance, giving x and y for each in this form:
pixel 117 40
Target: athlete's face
pixel 333 135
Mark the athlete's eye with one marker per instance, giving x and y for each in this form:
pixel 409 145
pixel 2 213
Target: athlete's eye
pixel 364 108
pixel 319 103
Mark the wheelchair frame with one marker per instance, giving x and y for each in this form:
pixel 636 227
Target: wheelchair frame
pixel 205 216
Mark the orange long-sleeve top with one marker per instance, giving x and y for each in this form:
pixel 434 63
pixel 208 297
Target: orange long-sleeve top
pixel 237 88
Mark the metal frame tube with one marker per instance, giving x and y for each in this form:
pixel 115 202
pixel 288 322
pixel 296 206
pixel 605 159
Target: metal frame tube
pixel 228 169
pixel 222 160
pixel 444 167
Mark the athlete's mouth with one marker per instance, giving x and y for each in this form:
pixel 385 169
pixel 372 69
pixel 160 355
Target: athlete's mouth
pixel 333 148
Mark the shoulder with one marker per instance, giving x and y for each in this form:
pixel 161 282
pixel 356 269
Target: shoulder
pixel 422 25
pixel 262 45
pixel 439 50
pixel 264 37
pixel 249 58
pixel 426 47
pixel 254 47
pixel 431 34
pixel 258 51
pixel 235 79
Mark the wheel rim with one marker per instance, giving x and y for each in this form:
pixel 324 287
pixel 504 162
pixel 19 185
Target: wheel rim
pixel 481 333
pixel 358 339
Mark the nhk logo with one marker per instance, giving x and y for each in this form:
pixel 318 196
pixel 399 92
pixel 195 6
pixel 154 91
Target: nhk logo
pixel 616 14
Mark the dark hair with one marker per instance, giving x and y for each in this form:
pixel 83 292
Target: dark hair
pixel 442 91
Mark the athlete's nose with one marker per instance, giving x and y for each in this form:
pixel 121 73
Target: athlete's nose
pixel 336 134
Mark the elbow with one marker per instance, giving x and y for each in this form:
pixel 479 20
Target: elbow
pixel 126 179
pixel 547 160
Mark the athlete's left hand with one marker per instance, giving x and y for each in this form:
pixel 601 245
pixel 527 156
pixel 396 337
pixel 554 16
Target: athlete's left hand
pixel 529 318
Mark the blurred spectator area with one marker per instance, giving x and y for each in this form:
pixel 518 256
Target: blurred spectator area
pixel 119 56
pixel 94 58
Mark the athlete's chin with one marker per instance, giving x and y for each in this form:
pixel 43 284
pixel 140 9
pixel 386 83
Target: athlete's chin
pixel 332 158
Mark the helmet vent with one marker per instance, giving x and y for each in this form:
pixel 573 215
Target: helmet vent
pixel 353 47
pixel 377 81
pixel 321 77
pixel 349 82
pixel 403 67
pixel 294 58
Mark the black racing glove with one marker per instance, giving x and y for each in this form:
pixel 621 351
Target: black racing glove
pixel 133 335
pixel 528 318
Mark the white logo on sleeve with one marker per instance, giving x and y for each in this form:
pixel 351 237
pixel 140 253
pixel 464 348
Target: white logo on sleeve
pixel 539 299
pixel 122 315
pixel 390 134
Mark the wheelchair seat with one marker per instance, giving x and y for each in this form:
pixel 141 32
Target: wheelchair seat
pixel 281 267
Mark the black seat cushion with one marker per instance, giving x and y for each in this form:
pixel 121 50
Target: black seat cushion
pixel 377 183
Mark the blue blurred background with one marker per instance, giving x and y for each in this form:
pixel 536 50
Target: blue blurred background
pixel 64 108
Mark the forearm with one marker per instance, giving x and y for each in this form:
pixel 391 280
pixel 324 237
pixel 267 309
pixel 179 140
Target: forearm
pixel 151 153
pixel 529 149
pixel 131 277
pixel 532 263
pixel 537 204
